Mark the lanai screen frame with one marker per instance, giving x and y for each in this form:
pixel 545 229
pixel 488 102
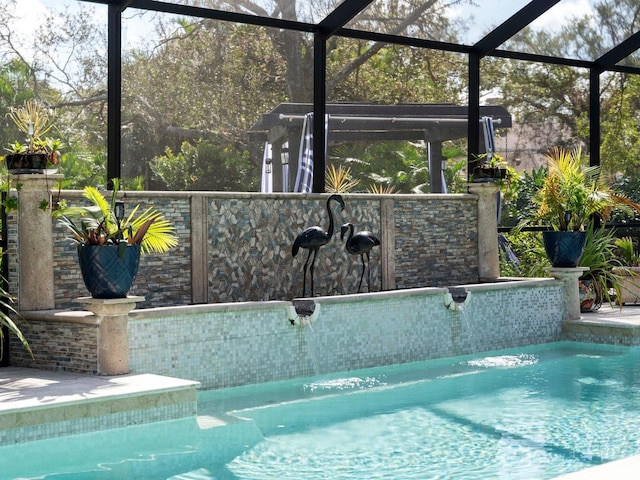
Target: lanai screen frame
pixel 333 24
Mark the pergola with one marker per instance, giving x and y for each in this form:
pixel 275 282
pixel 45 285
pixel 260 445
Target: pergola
pixel 432 123
pixel 342 20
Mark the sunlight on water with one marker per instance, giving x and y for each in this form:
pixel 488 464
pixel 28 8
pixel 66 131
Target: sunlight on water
pixel 504 361
pixel 349 383
pixel 532 413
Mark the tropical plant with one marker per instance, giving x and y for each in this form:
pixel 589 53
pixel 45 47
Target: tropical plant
pixel 7 322
pixel 339 180
pixel 101 223
pixel 627 252
pixel 35 121
pixel 600 258
pixel 572 195
pixel 491 161
pixel 380 189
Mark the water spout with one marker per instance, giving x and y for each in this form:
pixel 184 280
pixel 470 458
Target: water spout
pixel 456 298
pixel 303 312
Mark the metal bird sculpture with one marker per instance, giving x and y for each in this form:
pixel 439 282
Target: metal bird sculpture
pixel 313 238
pixel 360 243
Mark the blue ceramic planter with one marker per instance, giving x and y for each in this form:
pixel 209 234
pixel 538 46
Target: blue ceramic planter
pixel 108 271
pixel 564 249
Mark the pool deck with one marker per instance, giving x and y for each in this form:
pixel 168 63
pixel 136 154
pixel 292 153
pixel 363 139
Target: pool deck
pixel 38 404
pixel 30 396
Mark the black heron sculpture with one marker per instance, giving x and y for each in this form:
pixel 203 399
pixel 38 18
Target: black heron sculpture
pixel 360 243
pixel 312 239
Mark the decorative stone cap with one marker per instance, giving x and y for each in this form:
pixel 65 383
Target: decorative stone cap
pixel 111 306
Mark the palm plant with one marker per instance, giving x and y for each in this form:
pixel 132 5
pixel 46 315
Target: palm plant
pixel 339 179
pixel 100 224
pixel 380 189
pixel 627 251
pixel 7 322
pixel 573 194
pixel 599 256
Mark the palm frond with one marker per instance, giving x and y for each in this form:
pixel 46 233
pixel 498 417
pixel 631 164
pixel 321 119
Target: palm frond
pixel 7 321
pixel 339 179
pixel 97 225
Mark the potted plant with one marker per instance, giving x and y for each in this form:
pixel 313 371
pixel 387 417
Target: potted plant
pixel 39 153
pixel 489 168
pixel 602 282
pixel 629 271
pixel 571 197
pixel 109 244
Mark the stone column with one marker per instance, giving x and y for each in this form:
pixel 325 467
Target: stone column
pixel 488 259
pixel 569 278
pixel 113 335
pixel 35 241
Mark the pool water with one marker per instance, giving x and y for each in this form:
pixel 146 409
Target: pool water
pixel 531 413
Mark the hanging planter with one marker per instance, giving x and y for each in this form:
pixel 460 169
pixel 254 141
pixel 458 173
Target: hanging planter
pixel 488 174
pixel 40 153
pixel 27 162
pixel 108 271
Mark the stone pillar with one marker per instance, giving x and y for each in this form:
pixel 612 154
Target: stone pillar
pixel 113 335
pixel 35 241
pixel 488 258
pixel 569 278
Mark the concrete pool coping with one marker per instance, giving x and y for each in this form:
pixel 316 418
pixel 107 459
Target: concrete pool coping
pixel 39 404
pixel 29 397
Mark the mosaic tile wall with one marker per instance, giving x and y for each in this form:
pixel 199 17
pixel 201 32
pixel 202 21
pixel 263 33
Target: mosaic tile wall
pixel 235 344
pixel 250 251
pixel 436 242
pixel 163 279
pixel 247 256
pixel 619 337
pixel 69 347
pixel 95 423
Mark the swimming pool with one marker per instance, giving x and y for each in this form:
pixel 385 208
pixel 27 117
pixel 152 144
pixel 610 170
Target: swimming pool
pixel 528 413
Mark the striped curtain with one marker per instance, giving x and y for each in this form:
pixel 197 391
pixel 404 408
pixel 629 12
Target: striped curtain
pixel 304 177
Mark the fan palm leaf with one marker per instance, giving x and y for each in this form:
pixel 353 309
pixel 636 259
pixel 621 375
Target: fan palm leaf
pixel 97 224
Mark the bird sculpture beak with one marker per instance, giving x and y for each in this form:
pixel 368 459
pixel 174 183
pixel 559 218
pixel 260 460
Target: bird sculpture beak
pixel 343 229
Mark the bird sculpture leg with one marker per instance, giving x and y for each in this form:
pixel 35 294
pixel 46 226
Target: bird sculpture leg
pixel 304 276
pixel 312 268
pixel 361 273
pixel 368 274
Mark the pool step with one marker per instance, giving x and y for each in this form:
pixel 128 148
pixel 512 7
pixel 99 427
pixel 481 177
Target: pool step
pixel 38 404
pixel 618 327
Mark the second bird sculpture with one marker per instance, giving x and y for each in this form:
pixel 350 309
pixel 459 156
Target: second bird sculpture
pixel 360 243
pixel 313 238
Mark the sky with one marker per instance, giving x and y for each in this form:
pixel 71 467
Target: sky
pixel 138 29
pixel 492 12
pixel 33 12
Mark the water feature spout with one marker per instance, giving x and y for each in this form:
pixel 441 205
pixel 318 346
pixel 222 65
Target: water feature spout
pixel 456 298
pixel 303 312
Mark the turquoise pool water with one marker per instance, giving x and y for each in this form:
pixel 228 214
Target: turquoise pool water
pixel 530 413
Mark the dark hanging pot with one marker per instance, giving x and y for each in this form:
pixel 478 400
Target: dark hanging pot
pixel 564 249
pixel 26 162
pixel 488 174
pixel 108 271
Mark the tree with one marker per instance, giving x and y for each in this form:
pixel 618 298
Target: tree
pixel 207 97
pixel 552 101
pixel 62 66
pixel 205 166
